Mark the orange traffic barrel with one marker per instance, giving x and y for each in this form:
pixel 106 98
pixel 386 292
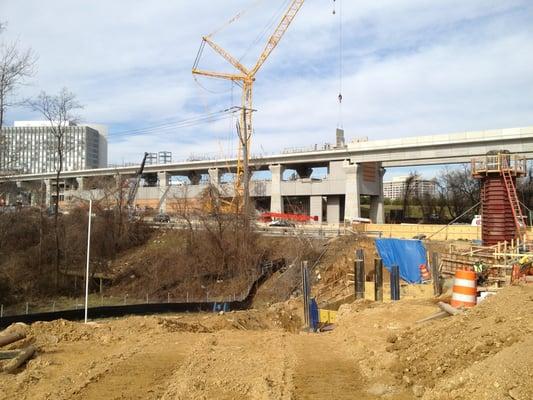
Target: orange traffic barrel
pixel 424 273
pixel 464 289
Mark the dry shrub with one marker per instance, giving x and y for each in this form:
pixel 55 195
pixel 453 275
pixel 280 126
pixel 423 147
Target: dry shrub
pixel 27 248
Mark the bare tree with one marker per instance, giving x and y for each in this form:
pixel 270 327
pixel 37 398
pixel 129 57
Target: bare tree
pixel 16 65
pixel 460 190
pixel 408 190
pixel 59 112
pixel 525 191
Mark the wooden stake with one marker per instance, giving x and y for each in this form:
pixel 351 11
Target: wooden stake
pixel 378 280
pixel 359 272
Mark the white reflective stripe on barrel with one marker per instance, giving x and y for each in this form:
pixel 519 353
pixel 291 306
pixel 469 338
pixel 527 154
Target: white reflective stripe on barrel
pixel 464 297
pixel 464 282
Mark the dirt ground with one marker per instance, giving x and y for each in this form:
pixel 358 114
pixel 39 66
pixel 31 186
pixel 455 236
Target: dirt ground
pixel 376 351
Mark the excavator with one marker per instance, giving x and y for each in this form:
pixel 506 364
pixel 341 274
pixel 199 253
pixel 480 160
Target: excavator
pixel 134 188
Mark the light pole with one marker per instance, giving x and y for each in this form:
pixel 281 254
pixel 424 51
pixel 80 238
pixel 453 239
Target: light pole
pixel 88 256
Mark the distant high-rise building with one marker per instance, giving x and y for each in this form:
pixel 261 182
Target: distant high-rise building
pixel 29 147
pixel 395 188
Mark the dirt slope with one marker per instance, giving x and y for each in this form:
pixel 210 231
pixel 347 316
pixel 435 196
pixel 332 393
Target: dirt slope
pixel 377 351
pixel 485 353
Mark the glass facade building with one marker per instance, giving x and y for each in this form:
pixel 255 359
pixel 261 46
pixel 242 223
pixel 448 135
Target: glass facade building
pixel 34 149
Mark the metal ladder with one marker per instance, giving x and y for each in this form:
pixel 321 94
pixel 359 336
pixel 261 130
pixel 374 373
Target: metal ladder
pixel 519 218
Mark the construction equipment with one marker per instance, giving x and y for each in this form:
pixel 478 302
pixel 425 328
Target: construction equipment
pixel 245 78
pixel 269 216
pixel 137 180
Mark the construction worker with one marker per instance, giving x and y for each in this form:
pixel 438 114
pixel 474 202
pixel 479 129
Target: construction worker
pixel 526 265
pixel 481 271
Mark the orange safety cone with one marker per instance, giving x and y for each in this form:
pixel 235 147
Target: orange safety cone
pixel 424 273
pixel 464 289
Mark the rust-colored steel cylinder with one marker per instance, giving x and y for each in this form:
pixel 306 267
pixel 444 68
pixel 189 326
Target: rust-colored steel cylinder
pixel 497 218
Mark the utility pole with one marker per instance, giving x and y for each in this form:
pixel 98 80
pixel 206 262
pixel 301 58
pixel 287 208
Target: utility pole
pixel 246 173
pixel 244 131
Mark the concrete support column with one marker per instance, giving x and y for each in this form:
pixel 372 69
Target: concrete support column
pixel 214 176
pixel 47 192
pixel 164 183
pixel 304 172
pixel 315 207
pixel 377 205
pixel 194 177
pixel 163 178
pixel 81 182
pixel 333 210
pixel 276 199
pixel 353 201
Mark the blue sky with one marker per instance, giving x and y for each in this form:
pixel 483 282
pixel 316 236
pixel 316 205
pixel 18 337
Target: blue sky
pixel 411 67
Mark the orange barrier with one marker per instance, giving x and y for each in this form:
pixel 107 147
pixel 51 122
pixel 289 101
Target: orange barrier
pixel 464 289
pixel 424 273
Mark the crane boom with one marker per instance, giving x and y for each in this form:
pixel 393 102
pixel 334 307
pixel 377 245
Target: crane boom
pixel 227 56
pixel 221 75
pixel 278 33
pixel 135 187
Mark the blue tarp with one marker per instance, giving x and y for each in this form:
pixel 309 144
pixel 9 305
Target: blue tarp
pixel 406 254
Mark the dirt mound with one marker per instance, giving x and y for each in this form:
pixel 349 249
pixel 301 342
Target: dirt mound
pixel 223 368
pixel 453 357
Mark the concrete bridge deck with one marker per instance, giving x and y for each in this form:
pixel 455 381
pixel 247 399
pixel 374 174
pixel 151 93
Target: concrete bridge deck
pixel 353 170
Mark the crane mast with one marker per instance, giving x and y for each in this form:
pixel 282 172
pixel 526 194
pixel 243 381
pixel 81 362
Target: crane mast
pixel 246 78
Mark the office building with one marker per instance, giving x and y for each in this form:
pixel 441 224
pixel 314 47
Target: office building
pixel 30 147
pixel 395 188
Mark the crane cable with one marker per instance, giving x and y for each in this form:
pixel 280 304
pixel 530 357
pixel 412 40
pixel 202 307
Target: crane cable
pixel 341 62
pixel 234 18
pixel 172 125
pixel 267 28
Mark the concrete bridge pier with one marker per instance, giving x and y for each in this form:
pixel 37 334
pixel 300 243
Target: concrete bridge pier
pixel 80 180
pixel 333 209
pixel 304 171
pixel 214 176
pixel 377 205
pixel 352 208
pixel 195 177
pixel 276 199
pixel 315 207
pixel 163 179
pixel 47 190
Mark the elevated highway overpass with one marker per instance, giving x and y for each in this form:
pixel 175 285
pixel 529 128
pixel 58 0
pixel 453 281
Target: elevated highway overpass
pixel 353 170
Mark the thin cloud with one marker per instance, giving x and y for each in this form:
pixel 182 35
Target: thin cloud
pixel 412 67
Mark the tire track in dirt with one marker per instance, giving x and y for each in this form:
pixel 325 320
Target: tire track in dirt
pixel 324 371
pixel 142 374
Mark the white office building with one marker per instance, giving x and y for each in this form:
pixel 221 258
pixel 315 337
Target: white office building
pixel 29 147
pixel 395 188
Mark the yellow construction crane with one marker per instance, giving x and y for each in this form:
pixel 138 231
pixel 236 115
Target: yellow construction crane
pixel 245 78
